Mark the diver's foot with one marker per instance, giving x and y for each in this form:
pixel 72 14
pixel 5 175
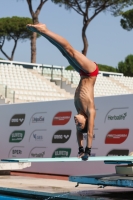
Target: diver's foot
pixel 81 152
pixel 85 157
pixel 86 154
pixel 37 27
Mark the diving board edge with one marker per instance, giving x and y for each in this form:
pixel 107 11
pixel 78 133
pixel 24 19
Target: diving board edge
pixel 105 159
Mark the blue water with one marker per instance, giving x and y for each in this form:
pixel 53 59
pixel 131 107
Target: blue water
pixel 10 197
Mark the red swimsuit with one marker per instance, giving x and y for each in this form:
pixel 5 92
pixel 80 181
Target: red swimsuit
pixel 95 73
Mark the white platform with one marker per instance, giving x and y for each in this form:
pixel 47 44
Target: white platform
pixel 14 165
pixel 124 170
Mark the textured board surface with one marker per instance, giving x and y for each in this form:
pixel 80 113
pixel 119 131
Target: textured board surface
pixel 106 159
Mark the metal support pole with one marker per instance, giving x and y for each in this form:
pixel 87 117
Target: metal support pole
pixel 6 91
pixel 61 76
pixel 71 77
pixel 13 96
pixel 52 73
pixel 42 69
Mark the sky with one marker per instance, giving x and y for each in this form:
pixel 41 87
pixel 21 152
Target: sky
pixel 109 43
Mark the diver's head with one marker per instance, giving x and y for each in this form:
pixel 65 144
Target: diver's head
pixel 81 123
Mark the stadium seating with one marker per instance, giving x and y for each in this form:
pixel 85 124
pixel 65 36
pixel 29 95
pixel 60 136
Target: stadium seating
pixel 27 86
pixel 112 85
pixel 20 84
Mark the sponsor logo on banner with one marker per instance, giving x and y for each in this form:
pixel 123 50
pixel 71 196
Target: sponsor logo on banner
pixel 37 152
pixel 38 118
pixel 17 136
pixel 62 118
pixel 17 120
pixel 117 117
pixel 37 135
pixel 16 152
pixel 61 152
pixel 61 136
pixel 118 152
pixel 116 114
pixel 116 136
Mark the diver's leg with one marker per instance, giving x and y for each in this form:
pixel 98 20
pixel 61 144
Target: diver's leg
pixel 78 58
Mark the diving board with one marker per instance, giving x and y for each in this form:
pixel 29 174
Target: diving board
pixel 105 159
pixel 104 180
pixel 122 178
pixel 119 179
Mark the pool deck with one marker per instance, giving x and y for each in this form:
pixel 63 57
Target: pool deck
pixel 52 185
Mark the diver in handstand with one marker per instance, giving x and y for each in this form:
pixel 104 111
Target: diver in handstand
pixel 84 94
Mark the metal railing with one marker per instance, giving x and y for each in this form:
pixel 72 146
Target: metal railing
pixel 53 76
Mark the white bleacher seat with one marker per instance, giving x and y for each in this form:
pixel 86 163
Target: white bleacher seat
pixel 28 85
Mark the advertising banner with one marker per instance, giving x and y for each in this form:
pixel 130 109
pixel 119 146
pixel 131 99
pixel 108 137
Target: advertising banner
pixel 47 130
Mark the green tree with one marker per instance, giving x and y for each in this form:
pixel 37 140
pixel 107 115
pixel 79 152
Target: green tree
pixel 69 67
pixel 126 67
pixel 83 8
pixel 101 67
pixel 107 68
pixel 127 20
pixel 13 28
pixel 35 20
